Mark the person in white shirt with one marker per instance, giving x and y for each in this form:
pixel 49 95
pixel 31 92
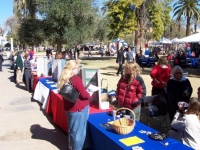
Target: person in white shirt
pixel 187 125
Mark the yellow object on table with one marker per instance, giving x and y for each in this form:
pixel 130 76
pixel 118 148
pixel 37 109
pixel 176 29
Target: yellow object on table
pixel 132 141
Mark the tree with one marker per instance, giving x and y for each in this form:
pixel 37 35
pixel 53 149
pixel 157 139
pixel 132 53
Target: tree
pixel 67 22
pixel 122 19
pixel 188 9
pixel 20 8
pixel 101 30
pixel 31 32
pixel 12 26
pixel 141 15
pixel 25 9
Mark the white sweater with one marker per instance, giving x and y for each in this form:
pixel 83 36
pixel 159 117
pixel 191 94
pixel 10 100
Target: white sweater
pixel 188 127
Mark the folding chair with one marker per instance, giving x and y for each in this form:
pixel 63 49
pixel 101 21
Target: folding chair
pixel 162 119
pixel 189 62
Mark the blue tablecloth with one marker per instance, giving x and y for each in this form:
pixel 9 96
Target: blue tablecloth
pixel 104 139
pixel 45 81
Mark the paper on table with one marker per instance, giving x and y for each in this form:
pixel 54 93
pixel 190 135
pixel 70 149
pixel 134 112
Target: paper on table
pixel 131 141
pixel 92 88
pixel 50 82
pixel 54 85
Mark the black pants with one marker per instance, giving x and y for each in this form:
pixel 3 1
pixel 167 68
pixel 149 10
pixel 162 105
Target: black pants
pixel 15 72
pixel 120 69
pixel 156 91
pixel 27 76
pixel 1 65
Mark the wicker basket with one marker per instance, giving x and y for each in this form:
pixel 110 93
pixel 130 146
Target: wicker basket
pixel 124 125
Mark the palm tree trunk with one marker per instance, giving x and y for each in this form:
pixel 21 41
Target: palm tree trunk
pixel 188 27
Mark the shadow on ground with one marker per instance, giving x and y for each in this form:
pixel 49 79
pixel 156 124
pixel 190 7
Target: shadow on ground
pixel 51 135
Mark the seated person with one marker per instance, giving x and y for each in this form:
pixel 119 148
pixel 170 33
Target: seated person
pixel 187 125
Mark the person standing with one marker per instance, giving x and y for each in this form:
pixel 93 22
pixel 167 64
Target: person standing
pixel 27 72
pixel 76 113
pixel 20 67
pixel 1 60
pixel 131 89
pixel 129 55
pixel 160 74
pixel 120 60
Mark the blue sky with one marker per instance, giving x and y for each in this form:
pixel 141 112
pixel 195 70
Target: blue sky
pixel 6 10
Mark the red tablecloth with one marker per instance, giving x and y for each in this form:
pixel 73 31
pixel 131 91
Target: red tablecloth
pixel 56 108
pixel 35 81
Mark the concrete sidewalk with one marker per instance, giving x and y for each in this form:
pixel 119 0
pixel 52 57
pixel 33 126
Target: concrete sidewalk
pixel 23 124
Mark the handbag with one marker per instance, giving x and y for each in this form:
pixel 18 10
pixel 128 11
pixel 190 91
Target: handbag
pixel 69 93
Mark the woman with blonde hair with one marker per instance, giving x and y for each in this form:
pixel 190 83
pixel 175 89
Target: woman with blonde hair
pixel 131 89
pixel 160 75
pixel 77 113
pixel 187 125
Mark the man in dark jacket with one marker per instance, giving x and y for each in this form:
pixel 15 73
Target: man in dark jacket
pixel 19 67
pixel 120 60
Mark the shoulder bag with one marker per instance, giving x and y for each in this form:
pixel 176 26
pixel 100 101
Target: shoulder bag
pixel 69 93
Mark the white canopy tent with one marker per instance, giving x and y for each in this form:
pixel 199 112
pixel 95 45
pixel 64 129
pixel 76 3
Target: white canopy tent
pixel 190 39
pixel 165 41
pixel 174 40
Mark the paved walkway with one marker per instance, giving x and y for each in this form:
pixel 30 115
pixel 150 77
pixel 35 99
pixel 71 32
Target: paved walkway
pixel 23 125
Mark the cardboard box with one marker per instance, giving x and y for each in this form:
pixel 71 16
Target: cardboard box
pixel 104 97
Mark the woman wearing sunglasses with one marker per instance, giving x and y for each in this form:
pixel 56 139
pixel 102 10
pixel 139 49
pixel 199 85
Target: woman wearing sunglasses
pixel 178 89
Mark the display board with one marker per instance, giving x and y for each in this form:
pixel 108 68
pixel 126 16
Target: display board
pixel 57 68
pixel 42 66
pixel 92 76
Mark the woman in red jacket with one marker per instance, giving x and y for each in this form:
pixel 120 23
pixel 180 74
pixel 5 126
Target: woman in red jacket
pixel 160 75
pixel 131 89
pixel 77 113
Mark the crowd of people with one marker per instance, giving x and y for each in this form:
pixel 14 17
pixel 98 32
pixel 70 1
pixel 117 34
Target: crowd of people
pixel 173 86
pixel 24 63
pixel 130 93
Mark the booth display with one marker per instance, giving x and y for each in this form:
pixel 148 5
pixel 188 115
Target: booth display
pixel 92 76
pixel 42 66
pixel 57 68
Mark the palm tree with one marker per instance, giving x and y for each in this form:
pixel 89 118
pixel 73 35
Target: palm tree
pixel 188 9
pixel 20 8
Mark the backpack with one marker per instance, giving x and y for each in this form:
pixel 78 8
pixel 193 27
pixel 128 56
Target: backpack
pixel 160 102
pixel 158 106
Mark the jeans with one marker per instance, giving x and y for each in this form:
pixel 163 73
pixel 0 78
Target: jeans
pixel 137 113
pixel 77 123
